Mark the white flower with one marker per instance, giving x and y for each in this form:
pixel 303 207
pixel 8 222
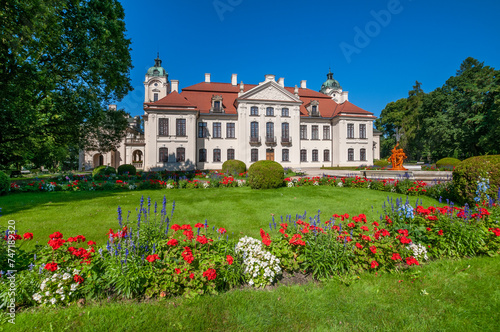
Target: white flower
pixel 66 276
pixel 53 300
pixel 60 291
pixel 37 297
pixel 47 293
pixel 206 185
pixel 340 184
pixel 289 184
pixel 73 287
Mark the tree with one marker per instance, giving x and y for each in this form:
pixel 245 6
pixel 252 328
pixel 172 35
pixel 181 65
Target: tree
pixel 61 63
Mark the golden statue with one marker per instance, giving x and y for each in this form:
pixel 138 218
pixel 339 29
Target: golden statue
pixel 397 158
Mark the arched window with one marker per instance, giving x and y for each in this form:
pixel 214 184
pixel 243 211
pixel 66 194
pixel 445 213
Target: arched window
pixel 350 154
pixel 303 155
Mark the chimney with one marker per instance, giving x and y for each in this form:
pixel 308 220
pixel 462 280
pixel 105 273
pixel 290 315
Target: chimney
pixel 269 77
pixel 281 81
pixel 207 78
pixel 234 79
pixel 303 84
pixel 175 85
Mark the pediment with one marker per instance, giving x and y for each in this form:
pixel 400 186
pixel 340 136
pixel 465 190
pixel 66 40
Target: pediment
pixel 270 91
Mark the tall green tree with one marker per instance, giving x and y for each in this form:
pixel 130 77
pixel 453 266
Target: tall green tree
pixel 61 63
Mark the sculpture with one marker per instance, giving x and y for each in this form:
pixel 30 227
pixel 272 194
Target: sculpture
pixel 396 159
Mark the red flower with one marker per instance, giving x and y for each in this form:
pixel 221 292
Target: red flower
pixel 175 227
pixel 411 260
pixel 495 231
pixel 297 240
pixel 375 223
pixel 152 258
pixel 172 242
pixel 187 255
pixel 91 243
pixel 428 229
pixel 210 274
pixel 351 224
pixel 374 264
pixel 78 279
pixel 266 239
pixel 80 238
pixel 364 228
pixel 359 246
pixel 191 275
pixel 396 257
pixel 28 236
pixel 202 239
pixel 229 259
pixel 222 230
pixel 189 234
pixel 186 227
pixel 177 271
pixel 56 235
pixel 56 243
pixel 440 232
pixel 51 266
pixel 373 249
pixel 199 225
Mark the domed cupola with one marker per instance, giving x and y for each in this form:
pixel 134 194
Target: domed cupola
pixel 156 84
pixel 332 88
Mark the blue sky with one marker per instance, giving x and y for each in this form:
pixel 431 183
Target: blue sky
pixel 376 49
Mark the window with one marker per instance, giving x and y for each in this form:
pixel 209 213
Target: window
pixel 254 110
pixel 303 155
pixel 216 106
pixel 285 112
pixel 362 154
pixel 254 155
pixel 315 132
pixel 315 155
pixel 217 130
pixel 285 155
pixel 216 155
pixel 350 154
pixel 254 129
pixel 285 132
pixel 230 154
pixel 303 132
pixel 362 131
pixel 350 130
pixel 230 131
pixel 270 111
pixel 314 110
pixel 155 97
pixel 181 155
pixel 202 130
pixel 326 132
pixel 326 155
pixel 180 127
pixel 269 130
pixel 163 155
pixel 162 127
pixel 202 157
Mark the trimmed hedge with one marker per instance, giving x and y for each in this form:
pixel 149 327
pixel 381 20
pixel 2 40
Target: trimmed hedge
pixel 233 167
pixel 266 174
pixel 127 168
pixel 448 163
pixel 4 184
pixel 467 174
pixel 381 162
pixel 103 170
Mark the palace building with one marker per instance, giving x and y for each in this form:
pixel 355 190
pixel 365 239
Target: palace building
pixel 208 123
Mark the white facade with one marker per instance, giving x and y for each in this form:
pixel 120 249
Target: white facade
pixel 209 123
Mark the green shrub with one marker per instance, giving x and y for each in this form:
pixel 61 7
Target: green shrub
pixel 4 184
pixel 103 170
pixel 381 162
pixel 233 167
pixel 467 174
pixel 265 174
pixel 447 163
pixel 127 168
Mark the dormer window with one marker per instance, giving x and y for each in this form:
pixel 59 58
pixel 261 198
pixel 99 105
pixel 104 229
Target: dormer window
pixel 155 97
pixel 314 108
pixel 217 104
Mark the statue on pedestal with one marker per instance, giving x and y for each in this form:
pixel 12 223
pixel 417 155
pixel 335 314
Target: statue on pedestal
pixel 396 159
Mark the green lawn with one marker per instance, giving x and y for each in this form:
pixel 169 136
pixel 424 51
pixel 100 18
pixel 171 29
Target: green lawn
pixel 445 295
pixel 242 211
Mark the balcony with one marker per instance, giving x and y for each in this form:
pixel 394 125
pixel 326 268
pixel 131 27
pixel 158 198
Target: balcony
pixel 217 110
pixel 137 164
pixel 255 140
pixel 135 141
pixel 286 141
pixel 271 140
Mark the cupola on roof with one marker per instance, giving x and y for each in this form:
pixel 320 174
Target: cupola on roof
pixel 157 69
pixel 330 83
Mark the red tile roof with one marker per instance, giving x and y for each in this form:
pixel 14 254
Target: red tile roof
pixel 200 96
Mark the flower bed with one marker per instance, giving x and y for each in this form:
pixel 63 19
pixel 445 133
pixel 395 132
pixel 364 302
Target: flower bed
pixel 151 256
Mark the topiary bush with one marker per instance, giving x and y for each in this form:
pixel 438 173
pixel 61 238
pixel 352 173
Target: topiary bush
pixel 4 184
pixel 447 163
pixel 127 168
pixel 103 170
pixel 381 162
pixel 265 174
pixel 233 167
pixel 467 174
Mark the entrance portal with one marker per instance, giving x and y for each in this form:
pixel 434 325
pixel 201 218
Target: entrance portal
pixel 270 154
